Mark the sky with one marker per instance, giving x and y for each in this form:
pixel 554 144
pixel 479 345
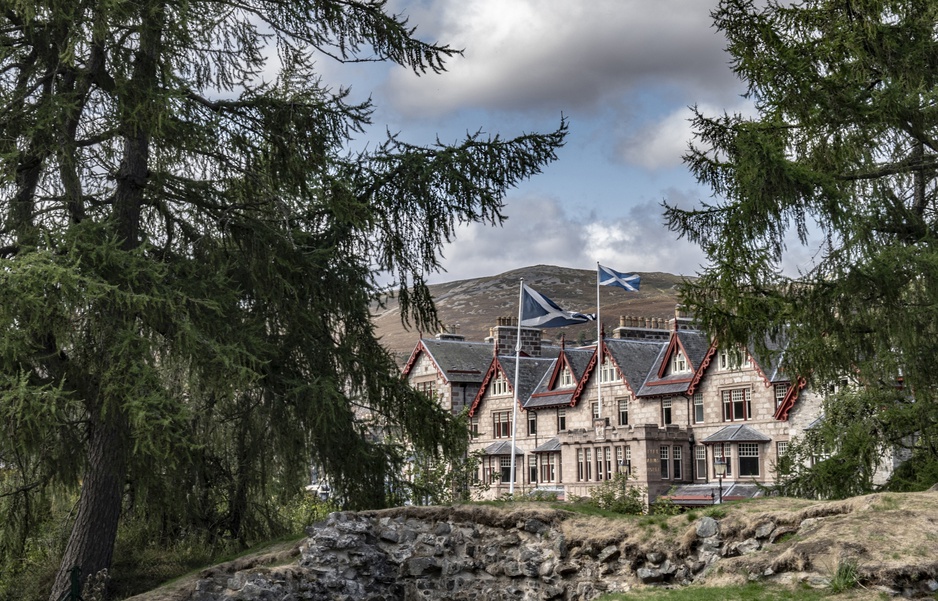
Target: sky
pixel 623 72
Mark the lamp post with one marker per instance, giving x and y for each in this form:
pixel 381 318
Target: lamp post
pixel 719 465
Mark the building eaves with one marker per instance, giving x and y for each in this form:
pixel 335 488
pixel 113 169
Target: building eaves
pixel 551 446
pixel 739 433
pixel 635 358
pixel 531 371
pixel 502 448
pixel 458 360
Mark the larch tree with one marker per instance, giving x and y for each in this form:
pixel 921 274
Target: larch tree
pixel 843 149
pixel 189 255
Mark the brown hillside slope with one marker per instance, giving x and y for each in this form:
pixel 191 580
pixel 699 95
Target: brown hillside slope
pixel 474 305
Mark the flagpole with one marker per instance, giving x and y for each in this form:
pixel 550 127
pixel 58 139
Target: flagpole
pixel 514 404
pixel 599 346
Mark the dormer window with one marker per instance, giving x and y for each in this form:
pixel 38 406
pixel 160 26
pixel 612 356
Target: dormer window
pixel 500 386
pixel 566 378
pixel 609 372
pixel 730 359
pixel 679 363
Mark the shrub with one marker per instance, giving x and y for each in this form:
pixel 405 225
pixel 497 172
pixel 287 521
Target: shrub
pixel 618 496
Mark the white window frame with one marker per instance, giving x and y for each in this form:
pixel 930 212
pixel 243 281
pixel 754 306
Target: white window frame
pixel 500 385
pixel 700 455
pixel 679 363
pixel 623 405
pixel 609 373
pixel 699 415
pixel 748 450
pixel 566 377
pixel 781 391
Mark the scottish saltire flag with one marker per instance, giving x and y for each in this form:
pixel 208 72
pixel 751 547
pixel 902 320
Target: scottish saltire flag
pixel 609 277
pixel 538 311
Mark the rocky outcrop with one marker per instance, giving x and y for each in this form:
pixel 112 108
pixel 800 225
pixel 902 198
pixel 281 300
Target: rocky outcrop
pixel 483 553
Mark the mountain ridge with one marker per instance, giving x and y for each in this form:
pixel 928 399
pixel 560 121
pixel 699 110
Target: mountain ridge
pixel 471 306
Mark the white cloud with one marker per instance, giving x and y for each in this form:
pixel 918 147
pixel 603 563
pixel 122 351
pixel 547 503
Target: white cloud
pixel 661 144
pixel 541 231
pixel 560 55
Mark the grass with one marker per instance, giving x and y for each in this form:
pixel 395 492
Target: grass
pixel 886 503
pixel 754 591
pixel 844 577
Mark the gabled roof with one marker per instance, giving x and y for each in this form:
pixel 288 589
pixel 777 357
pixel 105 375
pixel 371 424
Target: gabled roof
pixel 770 362
pixel 695 345
pixel 740 433
pixel 547 394
pixel 577 360
pixel 633 358
pixel 455 360
pixel 531 370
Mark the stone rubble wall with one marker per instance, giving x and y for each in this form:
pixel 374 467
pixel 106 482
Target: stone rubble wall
pixel 372 556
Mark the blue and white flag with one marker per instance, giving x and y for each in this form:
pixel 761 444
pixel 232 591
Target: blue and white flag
pixel 538 311
pixel 609 277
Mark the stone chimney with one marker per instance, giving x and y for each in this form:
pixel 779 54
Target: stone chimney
pixel 683 320
pixel 642 328
pixel 504 334
pixel 450 332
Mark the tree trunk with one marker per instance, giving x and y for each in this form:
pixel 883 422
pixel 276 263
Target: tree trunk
pixel 91 542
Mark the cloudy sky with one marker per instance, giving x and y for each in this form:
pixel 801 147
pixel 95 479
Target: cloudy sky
pixel 624 72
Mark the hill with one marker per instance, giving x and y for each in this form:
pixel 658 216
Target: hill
pixel 474 305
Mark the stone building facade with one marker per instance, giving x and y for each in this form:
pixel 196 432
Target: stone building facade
pixel 657 401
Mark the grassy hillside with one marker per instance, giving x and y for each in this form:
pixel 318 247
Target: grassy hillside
pixel 473 306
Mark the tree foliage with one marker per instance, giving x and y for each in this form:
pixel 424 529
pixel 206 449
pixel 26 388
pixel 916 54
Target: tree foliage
pixel 843 148
pixel 189 256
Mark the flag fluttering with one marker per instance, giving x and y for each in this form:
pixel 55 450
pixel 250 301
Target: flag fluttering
pixel 538 311
pixel 610 277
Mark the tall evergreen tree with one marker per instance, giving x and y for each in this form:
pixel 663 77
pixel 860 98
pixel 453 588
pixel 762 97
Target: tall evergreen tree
pixel 844 147
pixel 188 257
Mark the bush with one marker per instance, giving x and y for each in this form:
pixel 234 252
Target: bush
pixel 618 496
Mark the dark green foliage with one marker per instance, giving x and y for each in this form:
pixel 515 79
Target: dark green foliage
pixel 189 257
pixel 844 147
pixel 617 496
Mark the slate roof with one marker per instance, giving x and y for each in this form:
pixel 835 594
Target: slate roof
pixel 458 360
pixel 578 359
pixel 551 446
pixel 708 494
pixel 771 362
pixel 502 448
pixel 696 344
pixel 635 358
pixel 740 433
pixel 530 373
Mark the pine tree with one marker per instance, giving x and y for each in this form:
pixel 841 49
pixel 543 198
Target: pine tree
pixel 189 258
pixel 844 147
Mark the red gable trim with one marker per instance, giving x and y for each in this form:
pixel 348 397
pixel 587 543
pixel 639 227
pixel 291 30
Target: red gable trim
pixel 413 358
pixel 788 402
pixel 702 368
pixel 586 376
pixel 420 348
pixel 494 367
